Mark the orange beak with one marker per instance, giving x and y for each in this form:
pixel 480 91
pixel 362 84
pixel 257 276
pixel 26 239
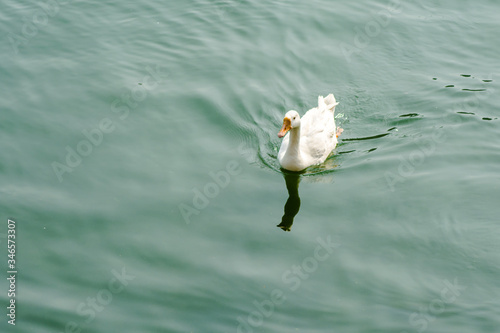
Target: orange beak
pixel 287 125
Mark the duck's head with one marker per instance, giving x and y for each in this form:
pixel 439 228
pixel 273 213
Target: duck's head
pixel 291 120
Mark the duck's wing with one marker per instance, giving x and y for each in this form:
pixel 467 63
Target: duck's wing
pixel 320 119
pixel 318 130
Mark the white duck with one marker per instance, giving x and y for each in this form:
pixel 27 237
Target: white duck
pixel 311 139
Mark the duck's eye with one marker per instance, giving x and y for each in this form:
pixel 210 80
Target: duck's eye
pixel 294 118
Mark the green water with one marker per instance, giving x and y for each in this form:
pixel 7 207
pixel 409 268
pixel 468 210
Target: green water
pixel 139 144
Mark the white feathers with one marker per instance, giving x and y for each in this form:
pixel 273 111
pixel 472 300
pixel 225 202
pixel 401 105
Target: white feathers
pixel 311 139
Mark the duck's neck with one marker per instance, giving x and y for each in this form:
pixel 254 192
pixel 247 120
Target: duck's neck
pixel 294 145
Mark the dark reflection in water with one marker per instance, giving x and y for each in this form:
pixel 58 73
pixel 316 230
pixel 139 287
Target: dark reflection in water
pixel 367 138
pixel 292 205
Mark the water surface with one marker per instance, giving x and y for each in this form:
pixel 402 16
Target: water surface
pixel 162 102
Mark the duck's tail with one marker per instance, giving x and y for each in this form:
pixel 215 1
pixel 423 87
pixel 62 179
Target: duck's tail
pixel 328 102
